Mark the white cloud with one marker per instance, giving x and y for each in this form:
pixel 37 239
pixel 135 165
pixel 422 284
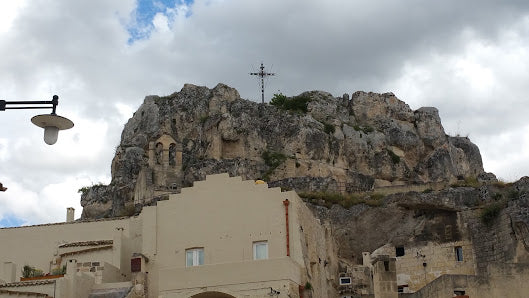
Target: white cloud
pixel 480 92
pixel 469 59
pixel 8 12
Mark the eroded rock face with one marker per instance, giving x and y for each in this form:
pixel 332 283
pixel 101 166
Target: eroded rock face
pixel 414 219
pixel 339 144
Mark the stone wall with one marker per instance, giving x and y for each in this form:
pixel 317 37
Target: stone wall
pixel 422 264
pixel 502 280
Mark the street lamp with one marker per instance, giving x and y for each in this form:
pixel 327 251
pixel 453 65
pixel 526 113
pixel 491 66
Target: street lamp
pixel 51 123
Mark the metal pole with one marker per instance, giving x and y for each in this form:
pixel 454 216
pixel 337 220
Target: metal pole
pixel 27 105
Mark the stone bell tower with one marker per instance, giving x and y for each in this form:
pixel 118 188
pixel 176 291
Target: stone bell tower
pixel 164 172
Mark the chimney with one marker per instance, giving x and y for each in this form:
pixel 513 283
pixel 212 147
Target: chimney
pixel 70 214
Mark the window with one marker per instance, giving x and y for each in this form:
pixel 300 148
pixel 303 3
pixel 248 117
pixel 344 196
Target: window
pixel 459 253
pixel 194 257
pixel 260 250
pixel 399 251
pixel 403 289
pixel 344 281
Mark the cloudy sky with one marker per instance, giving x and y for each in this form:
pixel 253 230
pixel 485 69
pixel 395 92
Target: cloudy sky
pixel 470 59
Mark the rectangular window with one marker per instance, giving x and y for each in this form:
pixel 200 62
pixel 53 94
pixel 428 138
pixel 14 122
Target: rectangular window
pixel 459 253
pixel 345 281
pixel 194 257
pixel 260 250
pixel 399 251
pixel 403 289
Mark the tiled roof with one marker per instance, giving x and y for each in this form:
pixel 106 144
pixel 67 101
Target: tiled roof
pixel 17 293
pixel 86 243
pixel 27 283
pixel 68 223
pixel 85 250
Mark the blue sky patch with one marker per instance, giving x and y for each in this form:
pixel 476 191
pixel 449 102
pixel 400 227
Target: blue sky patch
pixel 11 221
pixel 141 25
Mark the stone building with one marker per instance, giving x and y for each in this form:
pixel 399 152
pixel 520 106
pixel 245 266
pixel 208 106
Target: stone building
pixel 223 237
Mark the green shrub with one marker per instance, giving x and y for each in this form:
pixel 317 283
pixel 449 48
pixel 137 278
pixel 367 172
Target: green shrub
pixel 29 271
pixel 365 129
pixel 296 103
pixel 203 119
pixel 272 160
pixel 85 189
pixel 467 182
pixel 375 200
pixel 308 286
pixel 278 100
pixel 394 157
pixel 491 212
pixel 59 271
pixel 497 196
pixel 501 184
pixel 328 128
pixel 327 199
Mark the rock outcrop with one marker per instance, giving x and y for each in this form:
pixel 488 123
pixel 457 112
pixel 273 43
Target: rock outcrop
pixel 339 144
pixel 493 217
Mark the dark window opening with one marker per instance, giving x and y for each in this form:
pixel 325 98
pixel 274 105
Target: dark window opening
pixel 399 251
pixel 459 293
pixel 459 253
pixel 135 265
pixel 345 281
pixel 172 154
pixel 386 265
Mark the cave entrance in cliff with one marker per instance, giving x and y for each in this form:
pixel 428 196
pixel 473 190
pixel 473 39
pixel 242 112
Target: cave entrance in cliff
pixel 212 295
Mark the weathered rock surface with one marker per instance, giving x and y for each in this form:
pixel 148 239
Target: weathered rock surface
pixel 368 141
pixel 413 219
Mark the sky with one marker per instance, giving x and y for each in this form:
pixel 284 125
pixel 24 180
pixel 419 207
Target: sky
pixel 469 59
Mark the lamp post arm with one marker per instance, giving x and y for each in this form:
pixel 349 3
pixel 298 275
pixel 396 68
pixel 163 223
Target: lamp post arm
pixel 23 105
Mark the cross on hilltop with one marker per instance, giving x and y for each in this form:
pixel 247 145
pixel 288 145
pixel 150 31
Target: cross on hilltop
pixel 262 74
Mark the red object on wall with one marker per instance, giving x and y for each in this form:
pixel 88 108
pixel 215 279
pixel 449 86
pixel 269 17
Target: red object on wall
pixel 135 265
pixel 286 203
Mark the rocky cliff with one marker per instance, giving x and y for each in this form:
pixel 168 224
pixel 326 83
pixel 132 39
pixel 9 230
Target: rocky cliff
pixel 310 142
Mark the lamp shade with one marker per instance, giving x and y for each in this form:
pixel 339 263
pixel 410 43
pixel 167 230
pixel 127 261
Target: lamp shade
pixel 52 124
pixel 50 134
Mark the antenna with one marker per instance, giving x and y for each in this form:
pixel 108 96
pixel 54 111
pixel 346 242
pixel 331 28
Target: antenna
pixel 262 74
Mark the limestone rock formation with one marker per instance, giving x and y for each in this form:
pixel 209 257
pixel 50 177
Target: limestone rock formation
pixel 494 218
pixel 339 144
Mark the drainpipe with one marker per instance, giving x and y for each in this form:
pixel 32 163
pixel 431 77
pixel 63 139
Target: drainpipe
pixel 286 203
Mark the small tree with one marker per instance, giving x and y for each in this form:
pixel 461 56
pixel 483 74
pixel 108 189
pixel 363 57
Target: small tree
pixel 278 100
pixel 29 271
pixel 296 104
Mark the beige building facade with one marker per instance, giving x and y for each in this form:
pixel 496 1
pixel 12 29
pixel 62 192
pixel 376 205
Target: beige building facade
pixel 223 237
